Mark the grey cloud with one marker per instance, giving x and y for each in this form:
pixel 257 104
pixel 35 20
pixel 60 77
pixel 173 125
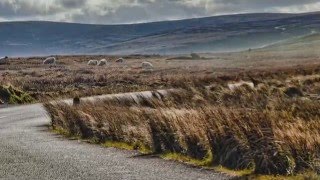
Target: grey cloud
pixel 230 6
pixel 130 11
pixel 21 8
pixel 140 11
pixel 72 3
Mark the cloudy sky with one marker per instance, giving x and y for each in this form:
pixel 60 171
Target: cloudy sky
pixel 133 11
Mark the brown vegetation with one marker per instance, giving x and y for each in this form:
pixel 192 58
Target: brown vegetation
pixel 73 77
pixel 273 128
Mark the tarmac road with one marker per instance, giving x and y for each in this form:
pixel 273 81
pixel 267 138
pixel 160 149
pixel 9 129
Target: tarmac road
pixel 29 151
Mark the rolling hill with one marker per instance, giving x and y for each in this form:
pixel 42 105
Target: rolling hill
pixel 210 34
pixel 306 42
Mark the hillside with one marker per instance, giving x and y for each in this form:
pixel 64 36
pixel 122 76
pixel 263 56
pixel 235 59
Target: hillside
pixel 210 34
pixel 307 42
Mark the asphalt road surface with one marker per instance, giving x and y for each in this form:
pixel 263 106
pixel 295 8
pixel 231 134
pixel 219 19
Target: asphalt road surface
pixel 29 151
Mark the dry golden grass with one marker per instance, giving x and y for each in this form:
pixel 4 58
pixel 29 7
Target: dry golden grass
pixel 73 77
pixel 273 129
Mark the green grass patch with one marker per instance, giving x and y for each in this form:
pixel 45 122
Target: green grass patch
pixel 119 145
pixel 240 173
pixel 205 162
pixel 127 146
pixel 62 132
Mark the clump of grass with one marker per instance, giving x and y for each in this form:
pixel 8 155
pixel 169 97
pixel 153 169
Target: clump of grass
pixel 12 95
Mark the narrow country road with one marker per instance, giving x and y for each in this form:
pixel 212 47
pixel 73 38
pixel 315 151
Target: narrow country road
pixel 29 151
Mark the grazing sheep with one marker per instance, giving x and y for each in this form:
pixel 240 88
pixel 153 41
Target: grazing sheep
pixel 233 86
pixel 120 60
pixel 50 60
pixel 146 66
pixel 4 60
pixel 93 62
pixel 102 62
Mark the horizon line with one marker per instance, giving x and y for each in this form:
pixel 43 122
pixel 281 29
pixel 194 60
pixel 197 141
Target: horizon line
pixel 160 21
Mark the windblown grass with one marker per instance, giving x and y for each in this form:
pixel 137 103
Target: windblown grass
pixel 265 129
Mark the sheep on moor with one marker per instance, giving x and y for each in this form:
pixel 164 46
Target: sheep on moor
pixel 120 60
pixel 102 62
pixel 4 60
pixel 50 60
pixel 146 66
pixel 233 86
pixel 93 62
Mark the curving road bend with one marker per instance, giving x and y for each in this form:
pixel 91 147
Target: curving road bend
pixel 29 151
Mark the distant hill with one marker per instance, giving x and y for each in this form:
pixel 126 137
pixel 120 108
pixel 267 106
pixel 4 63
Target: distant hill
pixel 310 41
pixel 210 34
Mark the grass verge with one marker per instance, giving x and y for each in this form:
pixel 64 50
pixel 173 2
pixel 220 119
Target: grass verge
pixel 270 130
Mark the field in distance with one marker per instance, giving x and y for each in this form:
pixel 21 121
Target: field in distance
pixel 73 76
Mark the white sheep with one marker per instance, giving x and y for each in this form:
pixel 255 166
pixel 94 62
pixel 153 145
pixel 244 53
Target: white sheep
pixel 146 66
pixel 4 60
pixel 102 62
pixel 120 60
pixel 233 86
pixel 50 60
pixel 93 62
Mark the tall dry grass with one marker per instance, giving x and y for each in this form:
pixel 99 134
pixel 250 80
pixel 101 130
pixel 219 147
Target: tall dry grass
pixel 272 128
